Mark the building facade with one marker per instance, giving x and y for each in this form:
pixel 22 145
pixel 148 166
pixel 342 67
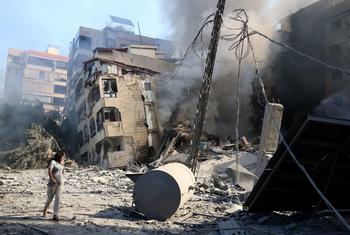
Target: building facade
pixel 320 30
pixel 36 77
pixel 115 104
pixel 118 33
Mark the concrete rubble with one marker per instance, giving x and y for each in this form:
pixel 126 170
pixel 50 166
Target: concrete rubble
pixel 100 202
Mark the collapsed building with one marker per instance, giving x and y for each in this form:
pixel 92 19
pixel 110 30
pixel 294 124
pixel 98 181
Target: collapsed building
pixel 115 103
pixel 321 31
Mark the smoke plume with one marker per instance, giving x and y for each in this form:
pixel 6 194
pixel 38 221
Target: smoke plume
pixel 179 97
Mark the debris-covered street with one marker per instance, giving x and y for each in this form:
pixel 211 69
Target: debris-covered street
pixel 216 117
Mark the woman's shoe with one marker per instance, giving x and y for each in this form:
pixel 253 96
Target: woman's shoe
pixel 55 218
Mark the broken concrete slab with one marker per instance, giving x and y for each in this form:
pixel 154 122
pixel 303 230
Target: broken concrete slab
pixel 322 146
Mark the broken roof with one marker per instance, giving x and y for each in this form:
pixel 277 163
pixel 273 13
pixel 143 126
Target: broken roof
pixel 322 146
pixel 133 60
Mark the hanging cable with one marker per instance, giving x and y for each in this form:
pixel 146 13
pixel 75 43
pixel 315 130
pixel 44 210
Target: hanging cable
pixel 239 40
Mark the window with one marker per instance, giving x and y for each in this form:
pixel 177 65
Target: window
pixel 92 127
pixel 80 138
pixel 59 89
pixel 81 113
pixel 99 120
pixel 148 86
pixel 336 25
pixel 58 101
pixel 85 42
pixel 41 75
pixel 40 61
pixel 110 43
pixel 335 50
pixel 86 134
pixel 61 64
pixel 337 75
pixel 112 114
pixel 95 93
pixel 338 100
pixel 110 87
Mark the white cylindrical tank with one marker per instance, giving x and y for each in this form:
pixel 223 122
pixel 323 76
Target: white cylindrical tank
pixel 159 193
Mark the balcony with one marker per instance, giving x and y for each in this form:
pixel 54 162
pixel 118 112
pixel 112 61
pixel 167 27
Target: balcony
pixel 113 129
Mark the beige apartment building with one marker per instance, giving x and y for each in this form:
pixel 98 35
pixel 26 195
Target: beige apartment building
pixel 36 77
pixel 115 103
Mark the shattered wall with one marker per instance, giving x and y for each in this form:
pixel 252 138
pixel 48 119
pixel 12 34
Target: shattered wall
pixel 179 96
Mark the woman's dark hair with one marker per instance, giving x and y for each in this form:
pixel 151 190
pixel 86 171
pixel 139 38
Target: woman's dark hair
pixel 58 156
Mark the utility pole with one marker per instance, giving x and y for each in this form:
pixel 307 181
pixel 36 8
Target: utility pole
pixel 206 83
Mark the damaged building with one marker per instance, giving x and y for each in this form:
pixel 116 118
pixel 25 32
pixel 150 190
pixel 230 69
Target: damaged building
pixel 118 33
pixel 115 103
pixel 36 77
pixel 320 30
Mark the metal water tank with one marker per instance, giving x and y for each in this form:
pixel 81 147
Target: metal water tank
pixel 159 193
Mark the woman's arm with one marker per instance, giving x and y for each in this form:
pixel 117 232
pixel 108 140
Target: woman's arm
pixel 51 175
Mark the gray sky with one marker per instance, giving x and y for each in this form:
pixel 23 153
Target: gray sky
pixel 33 24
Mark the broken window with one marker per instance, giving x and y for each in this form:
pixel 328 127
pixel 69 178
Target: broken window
pixel 336 25
pixel 148 86
pixel 40 62
pixel 58 101
pixel 61 64
pixel 86 134
pixel 84 156
pixel 336 50
pixel 112 114
pixel 92 127
pixel 81 113
pixel 99 120
pixel 337 75
pixel 79 90
pixel 95 93
pixel 110 87
pixel 59 89
pixel 85 42
pixel 80 138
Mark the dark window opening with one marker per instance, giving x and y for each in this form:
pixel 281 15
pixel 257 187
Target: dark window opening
pixel 41 75
pixel 112 115
pixel 337 75
pixel 80 138
pixel 110 87
pixel 336 25
pixel 58 101
pixel 148 86
pixel 99 120
pixel 84 156
pixel 61 64
pixel 85 42
pixel 81 113
pixel 40 62
pixel 336 50
pixel 59 89
pixel 86 134
pixel 92 127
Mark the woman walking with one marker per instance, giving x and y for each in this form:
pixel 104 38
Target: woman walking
pixel 55 184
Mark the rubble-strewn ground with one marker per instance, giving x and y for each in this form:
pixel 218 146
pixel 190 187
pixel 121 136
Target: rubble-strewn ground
pixel 100 202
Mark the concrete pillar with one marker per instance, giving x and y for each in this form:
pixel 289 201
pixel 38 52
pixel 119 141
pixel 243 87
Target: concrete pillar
pixel 269 135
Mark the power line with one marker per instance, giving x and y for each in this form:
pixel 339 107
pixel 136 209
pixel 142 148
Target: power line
pixel 238 42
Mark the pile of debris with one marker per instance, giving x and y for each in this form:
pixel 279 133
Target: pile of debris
pixel 35 153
